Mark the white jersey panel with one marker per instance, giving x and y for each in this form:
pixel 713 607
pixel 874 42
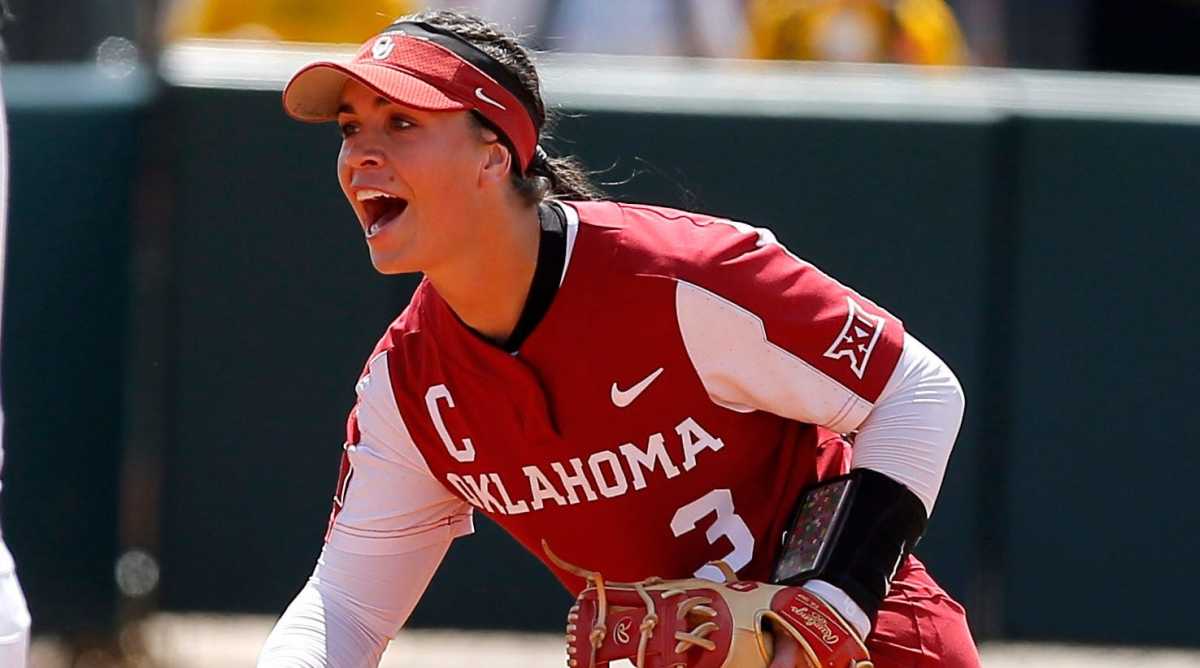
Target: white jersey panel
pixel 392 503
pixel 744 371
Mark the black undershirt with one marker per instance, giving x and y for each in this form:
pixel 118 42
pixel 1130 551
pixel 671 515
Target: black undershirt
pixel 552 254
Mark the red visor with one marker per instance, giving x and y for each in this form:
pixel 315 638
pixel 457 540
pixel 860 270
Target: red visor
pixel 417 73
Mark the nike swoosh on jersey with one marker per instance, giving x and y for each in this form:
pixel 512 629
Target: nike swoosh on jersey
pixel 622 398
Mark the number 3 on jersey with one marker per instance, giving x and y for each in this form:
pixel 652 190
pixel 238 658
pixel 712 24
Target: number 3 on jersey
pixel 728 524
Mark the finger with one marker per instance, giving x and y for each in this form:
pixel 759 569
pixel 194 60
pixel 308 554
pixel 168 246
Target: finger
pixel 786 651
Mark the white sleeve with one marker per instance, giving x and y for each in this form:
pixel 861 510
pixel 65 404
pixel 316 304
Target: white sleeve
pixel 351 607
pixel 911 429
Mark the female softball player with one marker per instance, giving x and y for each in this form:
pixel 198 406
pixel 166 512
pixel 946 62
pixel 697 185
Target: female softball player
pixel 643 389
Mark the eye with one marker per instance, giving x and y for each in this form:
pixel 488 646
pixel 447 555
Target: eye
pixel 401 123
pixel 348 129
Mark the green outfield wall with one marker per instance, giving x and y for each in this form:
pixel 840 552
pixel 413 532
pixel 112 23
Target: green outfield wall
pixel 1037 231
pixel 75 140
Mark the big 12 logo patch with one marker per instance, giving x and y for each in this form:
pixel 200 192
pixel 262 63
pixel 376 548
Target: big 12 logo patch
pixel 857 339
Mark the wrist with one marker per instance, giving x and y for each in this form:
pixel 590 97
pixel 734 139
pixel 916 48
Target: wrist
pixel 843 604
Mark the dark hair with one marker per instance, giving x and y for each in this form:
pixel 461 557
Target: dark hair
pixel 547 176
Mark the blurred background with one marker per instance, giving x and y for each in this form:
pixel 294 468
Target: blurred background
pixel 188 302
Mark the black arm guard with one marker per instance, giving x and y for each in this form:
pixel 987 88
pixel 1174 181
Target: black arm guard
pixel 853 532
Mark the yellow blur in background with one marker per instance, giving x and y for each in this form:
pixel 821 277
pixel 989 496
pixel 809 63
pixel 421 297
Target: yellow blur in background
pixel 920 32
pixel 288 20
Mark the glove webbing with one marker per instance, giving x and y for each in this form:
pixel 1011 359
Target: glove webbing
pixel 697 637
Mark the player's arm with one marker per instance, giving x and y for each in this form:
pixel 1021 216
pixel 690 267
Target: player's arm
pixel 391 525
pixel 901 451
pixel 768 331
pixel 350 608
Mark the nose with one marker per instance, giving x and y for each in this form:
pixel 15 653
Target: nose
pixel 364 155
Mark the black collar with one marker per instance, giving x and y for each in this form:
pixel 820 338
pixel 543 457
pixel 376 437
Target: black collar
pixel 552 256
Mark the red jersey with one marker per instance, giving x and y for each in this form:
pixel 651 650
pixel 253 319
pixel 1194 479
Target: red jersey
pixel 667 410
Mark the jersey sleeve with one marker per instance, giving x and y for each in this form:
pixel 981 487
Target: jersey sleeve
pixel 387 500
pixel 768 331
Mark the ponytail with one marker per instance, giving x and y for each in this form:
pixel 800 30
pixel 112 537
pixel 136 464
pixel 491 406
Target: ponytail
pixel 562 177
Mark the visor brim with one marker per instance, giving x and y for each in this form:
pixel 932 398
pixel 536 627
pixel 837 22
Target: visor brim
pixel 314 93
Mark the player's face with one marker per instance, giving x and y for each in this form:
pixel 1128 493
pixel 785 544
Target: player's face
pixel 411 177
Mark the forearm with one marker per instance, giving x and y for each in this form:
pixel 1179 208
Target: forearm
pixel 316 632
pixel 350 608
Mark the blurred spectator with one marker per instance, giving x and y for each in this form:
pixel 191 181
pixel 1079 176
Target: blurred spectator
pixel 908 31
pixel 984 26
pixel 714 28
pixel 655 27
pixel 291 20
pixel 922 32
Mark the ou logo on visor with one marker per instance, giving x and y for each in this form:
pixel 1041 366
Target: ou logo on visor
pixel 383 47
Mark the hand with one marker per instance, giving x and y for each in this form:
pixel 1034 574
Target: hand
pixel 789 654
pixel 787 651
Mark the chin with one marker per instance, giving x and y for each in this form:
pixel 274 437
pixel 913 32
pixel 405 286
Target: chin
pixel 395 271
pixel 393 265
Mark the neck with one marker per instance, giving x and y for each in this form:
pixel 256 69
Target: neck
pixel 489 283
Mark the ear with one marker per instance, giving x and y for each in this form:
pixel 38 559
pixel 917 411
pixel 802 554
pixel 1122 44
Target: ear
pixel 496 163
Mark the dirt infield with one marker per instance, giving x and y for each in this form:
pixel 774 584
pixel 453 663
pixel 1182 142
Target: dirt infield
pixel 203 641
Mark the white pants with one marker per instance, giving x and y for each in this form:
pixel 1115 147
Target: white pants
pixel 14 616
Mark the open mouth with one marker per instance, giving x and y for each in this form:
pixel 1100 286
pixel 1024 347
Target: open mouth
pixel 381 209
